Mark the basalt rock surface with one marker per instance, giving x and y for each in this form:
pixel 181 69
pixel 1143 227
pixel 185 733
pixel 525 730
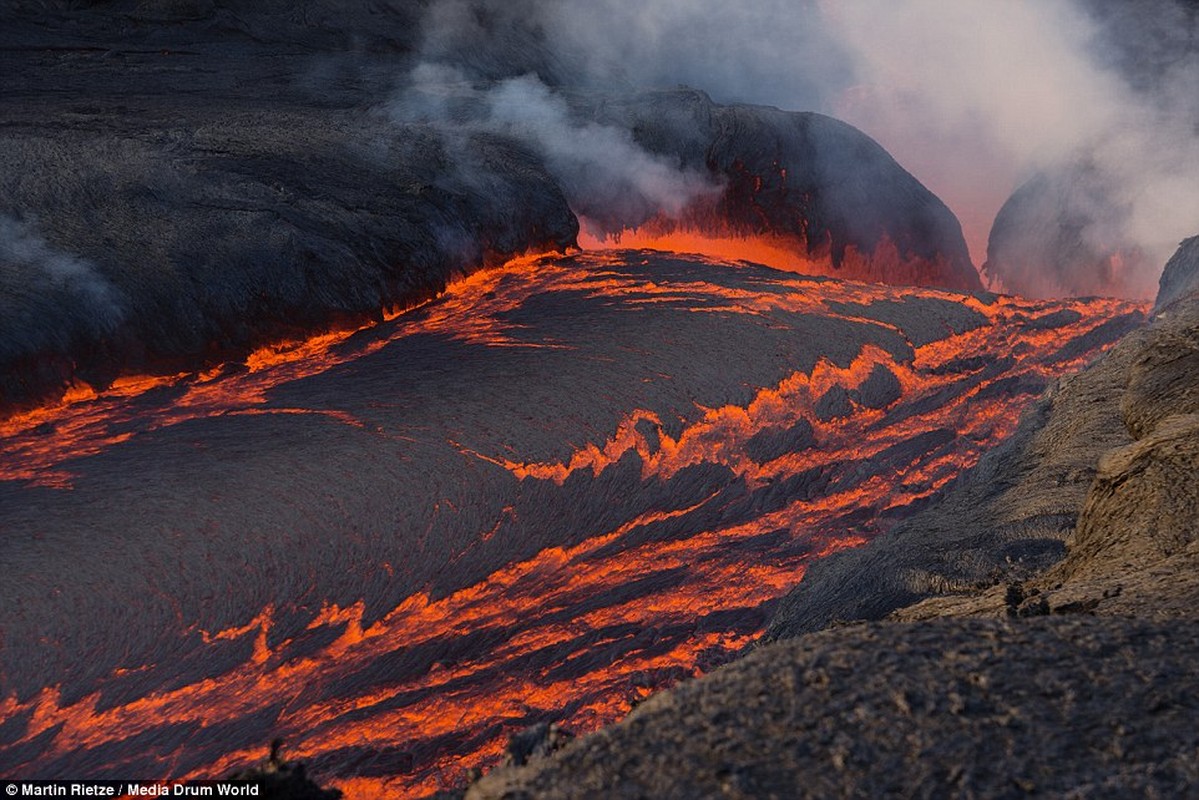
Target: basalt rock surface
pixel 181 182
pixel 397 547
pixel 1123 426
pixel 1090 506
pixel 1133 551
pixel 1006 520
pixel 816 184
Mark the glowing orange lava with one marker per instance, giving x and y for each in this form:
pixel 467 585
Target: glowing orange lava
pixel 551 621
pixel 772 251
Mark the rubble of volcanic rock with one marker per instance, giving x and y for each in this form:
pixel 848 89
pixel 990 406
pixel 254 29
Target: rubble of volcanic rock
pixel 905 709
pixel 181 183
pixel 1037 626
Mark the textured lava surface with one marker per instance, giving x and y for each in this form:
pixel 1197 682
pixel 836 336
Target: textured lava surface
pixel 563 484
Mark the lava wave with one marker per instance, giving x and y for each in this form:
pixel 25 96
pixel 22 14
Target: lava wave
pixel 561 485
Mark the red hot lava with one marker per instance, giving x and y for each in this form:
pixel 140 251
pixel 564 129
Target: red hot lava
pixel 590 477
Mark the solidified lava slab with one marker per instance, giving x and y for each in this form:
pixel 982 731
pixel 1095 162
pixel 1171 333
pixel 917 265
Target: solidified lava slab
pixel 561 485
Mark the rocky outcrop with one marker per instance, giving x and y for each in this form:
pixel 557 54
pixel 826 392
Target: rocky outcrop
pixel 1164 379
pixel 1009 519
pixel 1059 235
pixel 1105 465
pixel 1006 520
pixel 817 185
pixel 1144 505
pixel 1133 550
pixel 1180 278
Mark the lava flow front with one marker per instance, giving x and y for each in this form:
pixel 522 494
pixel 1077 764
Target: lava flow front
pixel 560 486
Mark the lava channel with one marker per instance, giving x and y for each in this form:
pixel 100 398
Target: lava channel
pixel 562 485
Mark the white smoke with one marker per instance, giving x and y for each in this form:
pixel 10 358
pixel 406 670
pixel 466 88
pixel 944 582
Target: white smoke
pixel 606 176
pixel 972 96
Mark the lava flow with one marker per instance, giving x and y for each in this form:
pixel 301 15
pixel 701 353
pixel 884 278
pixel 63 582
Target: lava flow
pixel 772 251
pixel 562 485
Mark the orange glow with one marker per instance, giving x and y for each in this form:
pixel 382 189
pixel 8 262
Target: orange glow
pixel 703 233
pixel 546 603
pixel 768 250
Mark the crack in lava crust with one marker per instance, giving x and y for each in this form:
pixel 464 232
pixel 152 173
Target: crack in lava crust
pixel 558 487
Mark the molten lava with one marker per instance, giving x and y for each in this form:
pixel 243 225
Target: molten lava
pixel 703 232
pixel 646 525
pixel 772 251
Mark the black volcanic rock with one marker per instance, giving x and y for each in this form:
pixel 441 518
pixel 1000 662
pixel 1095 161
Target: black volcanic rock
pixel 277 779
pixel 1133 551
pixel 1104 465
pixel 880 389
pixel 182 181
pixel 204 232
pixel 770 443
pixel 1059 235
pixel 833 404
pixel 1015 675
pixel 292 28
pixel 819 185
pixel 1007 519
pixel 190 180
pixel 319 546
pixel 538 741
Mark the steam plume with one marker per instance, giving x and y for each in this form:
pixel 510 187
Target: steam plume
pixel 605 175
pixel 973 97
